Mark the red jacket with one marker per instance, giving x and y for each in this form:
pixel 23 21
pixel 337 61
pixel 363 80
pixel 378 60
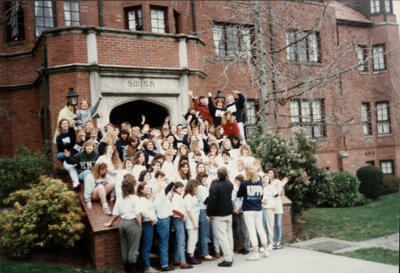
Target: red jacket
pixel 203 109
pixel 231 129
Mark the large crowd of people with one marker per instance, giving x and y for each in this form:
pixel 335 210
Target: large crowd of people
pixel 196 181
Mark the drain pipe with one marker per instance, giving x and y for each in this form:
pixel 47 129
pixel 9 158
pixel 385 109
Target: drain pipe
pixel 43 77
pixel 194 18
pixel 100 6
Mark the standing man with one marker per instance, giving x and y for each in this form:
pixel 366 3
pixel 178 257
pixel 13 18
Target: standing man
pixel 236 106
pixel 219 206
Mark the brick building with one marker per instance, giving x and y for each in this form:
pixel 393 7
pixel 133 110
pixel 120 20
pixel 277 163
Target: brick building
pixel 144 56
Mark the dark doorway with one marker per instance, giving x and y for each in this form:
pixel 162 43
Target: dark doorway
pixel 133 111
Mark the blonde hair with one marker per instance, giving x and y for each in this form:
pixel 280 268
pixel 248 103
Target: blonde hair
pixel 245 147
pixel 251 174
pixel 108 138
pixel 224 119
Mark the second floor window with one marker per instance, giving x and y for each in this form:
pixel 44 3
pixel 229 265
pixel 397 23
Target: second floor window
pixel 134 18
pixel 375 6
pixel 232 40
pixel 158 20
pixel 366 118
pixel 303 46
pixel 382 118
pixel 44 16
pixel 71 14
pixel 362 58
pixel 309 114
pixel 15 21
pixel 251 117
pixel 378 57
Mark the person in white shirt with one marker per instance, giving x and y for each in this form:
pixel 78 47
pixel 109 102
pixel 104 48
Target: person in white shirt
pixel 130 228
pixel 139 164
pixel 245 155
pixel 269 204
pixel 278 209
pixel 168 167
pixel 229 164
pixel 149 219
pixel 183 175
pixel 192 219
pixel 127 167
pixel 111 158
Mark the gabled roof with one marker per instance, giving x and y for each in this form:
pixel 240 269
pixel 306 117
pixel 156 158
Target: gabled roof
pixel 345 13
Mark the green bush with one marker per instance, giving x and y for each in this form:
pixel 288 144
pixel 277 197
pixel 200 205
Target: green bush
pixel 46 215
pixel 371 181
pixel 344 191
pixel 295 159
pixel 23 170
pixel 390 184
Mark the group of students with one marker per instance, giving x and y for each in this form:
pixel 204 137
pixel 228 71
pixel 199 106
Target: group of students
pixel 196 180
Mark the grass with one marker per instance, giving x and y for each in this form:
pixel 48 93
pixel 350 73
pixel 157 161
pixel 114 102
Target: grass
pixel 8 266
pixel 354 224
pixel 375 254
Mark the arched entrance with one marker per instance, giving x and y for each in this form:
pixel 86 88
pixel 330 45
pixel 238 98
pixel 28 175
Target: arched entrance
pixel 133 111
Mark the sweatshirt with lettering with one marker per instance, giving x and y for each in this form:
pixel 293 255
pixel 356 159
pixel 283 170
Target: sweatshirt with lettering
pixel 252 194
pixel 83 161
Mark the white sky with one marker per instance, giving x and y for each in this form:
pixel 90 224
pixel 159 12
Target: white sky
pixel 396 9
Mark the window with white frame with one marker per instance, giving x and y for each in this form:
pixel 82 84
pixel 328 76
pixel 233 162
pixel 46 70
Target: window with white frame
pixel 366 118
pixel 44 16
pixel 134 18
pixel 158 16
pixel 15 21
pixel 303 46
pixel 378 58
pixel 375 6
pixel 362 58
pixel 232 40
pixel 251 117
pixel 71 14
pixel 388 6
pixel 382 118
pixel 387 166
pixel 309 114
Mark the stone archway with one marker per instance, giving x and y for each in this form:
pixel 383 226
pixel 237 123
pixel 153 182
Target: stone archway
pixel 133 111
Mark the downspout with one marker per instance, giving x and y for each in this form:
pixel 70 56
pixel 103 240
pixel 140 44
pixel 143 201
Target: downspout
pixel 100 6
pixel 194 18
pixel 44 79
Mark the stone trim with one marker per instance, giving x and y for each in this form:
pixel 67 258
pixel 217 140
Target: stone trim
pixel 17 87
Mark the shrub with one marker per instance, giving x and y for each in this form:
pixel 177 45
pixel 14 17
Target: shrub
pixel 46 215
pixel 23 170
pixel 371 181
pixel 390 184
pixel 344 191
pixel 295 159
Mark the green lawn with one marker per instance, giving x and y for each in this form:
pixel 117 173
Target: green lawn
pixel 354 224
pixel 8 266
pixel 375 254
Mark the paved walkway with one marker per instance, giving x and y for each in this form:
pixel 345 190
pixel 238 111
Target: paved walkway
pixel 296 260
pixel 340 246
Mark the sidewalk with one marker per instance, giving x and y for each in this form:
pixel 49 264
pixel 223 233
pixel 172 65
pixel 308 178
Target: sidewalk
pixel 296 260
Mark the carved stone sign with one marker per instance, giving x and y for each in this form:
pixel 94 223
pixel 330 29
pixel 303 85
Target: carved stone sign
pixel 140 85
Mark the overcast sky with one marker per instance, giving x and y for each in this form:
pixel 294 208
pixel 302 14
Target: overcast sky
pixel 396 9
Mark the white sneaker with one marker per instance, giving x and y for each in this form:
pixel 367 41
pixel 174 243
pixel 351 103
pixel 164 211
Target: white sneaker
pixel 253 257
pixel 266 253
pixel 261 250
pixel 106 209
pixel 270 247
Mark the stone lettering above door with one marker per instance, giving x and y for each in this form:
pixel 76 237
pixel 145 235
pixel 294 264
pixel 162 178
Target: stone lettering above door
pixel 133 85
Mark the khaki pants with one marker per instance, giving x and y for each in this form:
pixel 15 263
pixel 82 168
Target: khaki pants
pixel 223 228
pixel 129 234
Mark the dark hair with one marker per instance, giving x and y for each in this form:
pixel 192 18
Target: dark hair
pixel 129 177
pixel 200 176
pixel 226 153
pixel 127 188
pixel 240 177
pixel 274 171
pixel 178 185
pixel 154 162
pixel 141 175
pixel 123 132
pixel 222 174
pixel 159 173
pixel 140 188
pixel 158 157
pixel 190 187
pixel 136 158
pixel 188 174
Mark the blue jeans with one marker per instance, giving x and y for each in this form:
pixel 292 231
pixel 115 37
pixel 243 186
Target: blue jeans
pixel 204 225
pixel 147 237
pixel 61 157
pixel 179 251
pixel 83 175
pixel 162 227
pixel 278 228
